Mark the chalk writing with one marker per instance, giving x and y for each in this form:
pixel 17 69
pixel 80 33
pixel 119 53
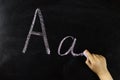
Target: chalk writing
pixel 44 35
pixel 70 50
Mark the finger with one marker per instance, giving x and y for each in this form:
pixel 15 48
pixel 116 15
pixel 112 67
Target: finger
pixel 100 56
pixel 88 63
pixel 96 57
pixel 89 55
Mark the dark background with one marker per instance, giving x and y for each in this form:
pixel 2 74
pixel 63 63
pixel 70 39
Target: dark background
pixel 95 24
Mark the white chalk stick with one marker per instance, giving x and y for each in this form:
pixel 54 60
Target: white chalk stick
pixel 84 54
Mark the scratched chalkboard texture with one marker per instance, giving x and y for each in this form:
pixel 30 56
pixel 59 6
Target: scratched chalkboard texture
pixel 41 39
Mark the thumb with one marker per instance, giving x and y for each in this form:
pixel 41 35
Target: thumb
pixel 88 63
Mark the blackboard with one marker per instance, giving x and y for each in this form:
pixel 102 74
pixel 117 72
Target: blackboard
pixel 37 55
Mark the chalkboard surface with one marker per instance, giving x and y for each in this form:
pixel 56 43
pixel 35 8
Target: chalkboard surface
pixel 37 55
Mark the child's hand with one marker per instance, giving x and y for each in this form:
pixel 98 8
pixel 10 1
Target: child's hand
pixel 97 63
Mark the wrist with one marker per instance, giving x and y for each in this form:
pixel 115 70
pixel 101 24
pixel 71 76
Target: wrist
pixel 105 76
